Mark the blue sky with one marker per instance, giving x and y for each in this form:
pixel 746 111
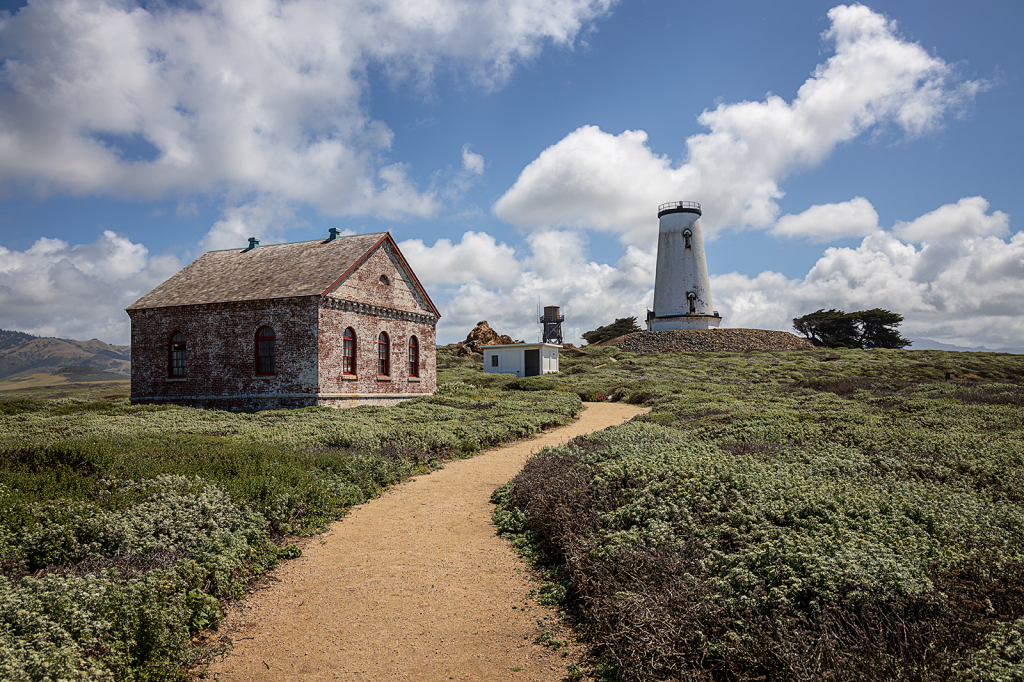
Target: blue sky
pixel 846 156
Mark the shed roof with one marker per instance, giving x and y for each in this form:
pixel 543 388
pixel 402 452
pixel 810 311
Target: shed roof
pixel 310 268
pixel 522 346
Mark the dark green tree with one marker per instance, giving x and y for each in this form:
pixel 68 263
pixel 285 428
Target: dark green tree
pixel 623 325
pixel 832 328
pixel 875 328
pixel 878 329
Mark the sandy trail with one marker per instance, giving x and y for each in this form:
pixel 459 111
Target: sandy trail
pixel 414 585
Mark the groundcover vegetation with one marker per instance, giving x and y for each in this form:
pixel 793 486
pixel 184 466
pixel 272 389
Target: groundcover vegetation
pixel 797 515
pixel 126 528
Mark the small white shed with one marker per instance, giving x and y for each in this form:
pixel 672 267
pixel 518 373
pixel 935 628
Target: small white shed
pixel 522 359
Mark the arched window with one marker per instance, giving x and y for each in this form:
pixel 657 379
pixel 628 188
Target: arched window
pixel 692 298
pixel 414 357
pixel 348 351
pixel 383 355
pixel 265 339
pixel 686 239
pixel 176 361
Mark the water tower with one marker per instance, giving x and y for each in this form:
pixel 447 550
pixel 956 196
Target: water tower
pixel 552 320
pixel 682 291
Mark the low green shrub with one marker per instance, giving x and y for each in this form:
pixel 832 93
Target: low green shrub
pixel 1001 657
pixel 126 527
pixel 787 516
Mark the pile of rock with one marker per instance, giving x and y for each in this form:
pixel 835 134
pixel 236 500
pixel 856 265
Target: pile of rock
pixel 480 336
pixel 704 340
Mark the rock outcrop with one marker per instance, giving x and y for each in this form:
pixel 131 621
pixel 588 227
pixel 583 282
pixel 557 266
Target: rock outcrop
pixel 482 335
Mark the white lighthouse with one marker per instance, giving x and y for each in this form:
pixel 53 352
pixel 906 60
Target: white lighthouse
pixel 682 292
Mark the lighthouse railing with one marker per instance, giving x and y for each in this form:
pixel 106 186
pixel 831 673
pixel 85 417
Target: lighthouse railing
pixel 678 204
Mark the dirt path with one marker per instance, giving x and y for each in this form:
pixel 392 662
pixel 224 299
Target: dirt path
pixel 414 585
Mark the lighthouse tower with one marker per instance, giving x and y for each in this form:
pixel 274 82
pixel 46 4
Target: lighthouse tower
pixel 682 292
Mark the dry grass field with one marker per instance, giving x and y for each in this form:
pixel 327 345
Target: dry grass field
pixel 98 386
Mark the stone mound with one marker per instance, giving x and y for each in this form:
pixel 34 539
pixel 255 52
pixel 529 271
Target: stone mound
pixel 705 340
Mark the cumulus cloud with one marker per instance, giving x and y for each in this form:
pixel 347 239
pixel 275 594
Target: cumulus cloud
pixel 479 279
pixel 244 96
pixel 960 283
pixel 582 291
pixel 80 291
pixel 966 218
pixel 950 273
pixel 874 79
pixel 266 218
pixel 477 257
pixel 591 179
pixel 825 222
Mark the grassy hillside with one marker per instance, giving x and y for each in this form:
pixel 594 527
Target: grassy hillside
pixel 22 353
pixel 795 515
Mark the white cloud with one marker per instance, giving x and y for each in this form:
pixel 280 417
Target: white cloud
pixel 471 161
pixel 486 280
pixel 266 218
pixel 80 291
pixel 595 180
pixel 956 285
pixel 591 179
pixel 966 218
pixel 477 257
pixel 244 96
pixel 826 222
pixel 453 184
pixel 961 284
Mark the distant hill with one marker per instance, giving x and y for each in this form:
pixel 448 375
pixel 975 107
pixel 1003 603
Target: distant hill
pixel 22 353
pixel 930 344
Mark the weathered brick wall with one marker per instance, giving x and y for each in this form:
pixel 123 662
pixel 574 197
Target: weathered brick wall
pixel 365 285
pixel 368 327
pixel 371 305
pixel 221 356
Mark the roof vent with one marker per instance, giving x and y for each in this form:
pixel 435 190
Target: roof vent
pixel 335 233
pixel 253 243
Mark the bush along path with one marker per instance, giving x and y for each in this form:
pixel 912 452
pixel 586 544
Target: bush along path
pixel 814 515
pixel 125 530
pixel 414 585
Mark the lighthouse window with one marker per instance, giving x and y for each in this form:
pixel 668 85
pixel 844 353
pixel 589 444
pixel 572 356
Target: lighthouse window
pixel 692 298
pixel 686 239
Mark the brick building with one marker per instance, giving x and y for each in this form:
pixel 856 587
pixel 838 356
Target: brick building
pixel 337 322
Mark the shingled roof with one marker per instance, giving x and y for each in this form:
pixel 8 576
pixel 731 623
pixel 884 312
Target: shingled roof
pixel 310 268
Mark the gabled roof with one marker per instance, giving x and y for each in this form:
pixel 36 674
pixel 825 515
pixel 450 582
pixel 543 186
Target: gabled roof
pixel 311 268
